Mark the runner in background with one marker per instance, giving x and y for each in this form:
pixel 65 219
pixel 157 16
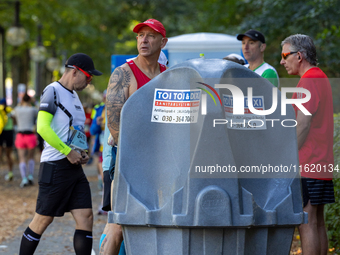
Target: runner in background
pixel 88 122
pixel 26 140
pixel 7 136
pixel 96 131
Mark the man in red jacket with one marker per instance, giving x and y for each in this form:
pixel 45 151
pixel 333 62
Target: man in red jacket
pixel 315 139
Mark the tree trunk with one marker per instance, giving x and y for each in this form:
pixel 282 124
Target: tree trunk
pixel 15 64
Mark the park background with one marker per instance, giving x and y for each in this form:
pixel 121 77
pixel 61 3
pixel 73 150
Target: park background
pixel 102 28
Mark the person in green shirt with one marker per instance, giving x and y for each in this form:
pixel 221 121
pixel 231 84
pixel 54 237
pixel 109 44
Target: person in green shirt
pixel 253 47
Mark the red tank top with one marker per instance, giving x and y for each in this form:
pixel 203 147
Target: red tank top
pixel 140 76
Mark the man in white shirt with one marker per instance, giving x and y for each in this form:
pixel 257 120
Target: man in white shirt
pixel 253 46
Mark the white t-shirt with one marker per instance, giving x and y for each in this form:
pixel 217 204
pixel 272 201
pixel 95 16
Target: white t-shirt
pixel 26 117
pixel 267 71
pixel 54 98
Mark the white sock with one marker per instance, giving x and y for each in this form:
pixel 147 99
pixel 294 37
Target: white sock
pixel 22 167
pixel 31 164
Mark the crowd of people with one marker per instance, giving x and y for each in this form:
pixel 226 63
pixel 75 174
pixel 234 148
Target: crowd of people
pixel 61 113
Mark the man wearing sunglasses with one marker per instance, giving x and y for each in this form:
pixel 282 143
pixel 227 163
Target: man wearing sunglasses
pixel 315 139
pixel 253 46
pixel 63 186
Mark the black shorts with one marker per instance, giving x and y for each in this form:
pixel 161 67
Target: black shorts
pixel 7 137
pixel 319 192
pixel 107 192
pixel 62 187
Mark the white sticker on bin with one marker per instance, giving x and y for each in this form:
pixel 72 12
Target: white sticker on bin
pixel 247 121
pixel 176 106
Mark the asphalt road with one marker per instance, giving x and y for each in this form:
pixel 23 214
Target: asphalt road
pixel 58 238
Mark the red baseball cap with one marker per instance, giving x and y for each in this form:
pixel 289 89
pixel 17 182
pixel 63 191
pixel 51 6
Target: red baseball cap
pixel 154 24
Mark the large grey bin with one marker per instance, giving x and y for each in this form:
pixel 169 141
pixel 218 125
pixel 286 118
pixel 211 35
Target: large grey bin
pixel 166 207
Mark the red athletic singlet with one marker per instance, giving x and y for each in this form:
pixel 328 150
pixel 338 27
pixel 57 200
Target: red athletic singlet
pixel 140 76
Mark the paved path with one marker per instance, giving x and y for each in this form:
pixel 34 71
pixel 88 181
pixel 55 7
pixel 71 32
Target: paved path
pixel 58 238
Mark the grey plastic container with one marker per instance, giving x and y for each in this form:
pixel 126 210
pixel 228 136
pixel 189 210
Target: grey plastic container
pixel 166 207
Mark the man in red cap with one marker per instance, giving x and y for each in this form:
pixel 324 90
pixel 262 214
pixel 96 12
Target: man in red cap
pixel 124 81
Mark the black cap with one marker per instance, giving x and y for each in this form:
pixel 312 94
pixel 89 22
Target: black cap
pixel 253 34
pixel 84 62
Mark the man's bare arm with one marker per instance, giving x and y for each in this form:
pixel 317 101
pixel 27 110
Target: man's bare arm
pixel 117 94
pixel 302 128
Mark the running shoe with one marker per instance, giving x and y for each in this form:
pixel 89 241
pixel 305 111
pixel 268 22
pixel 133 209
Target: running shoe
pixel 30 179
pixel 24 183
pixel 9 176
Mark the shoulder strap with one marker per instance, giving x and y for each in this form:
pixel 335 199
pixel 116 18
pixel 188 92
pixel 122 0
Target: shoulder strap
pixel 141 78
pixel 60 105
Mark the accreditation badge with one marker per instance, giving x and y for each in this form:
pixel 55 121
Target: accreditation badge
pixel 77 139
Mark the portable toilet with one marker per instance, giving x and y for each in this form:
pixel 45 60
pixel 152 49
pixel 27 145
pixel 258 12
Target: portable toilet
pixel 189 46
pixel 180 183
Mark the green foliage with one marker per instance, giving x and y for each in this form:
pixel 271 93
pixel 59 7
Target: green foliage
pixel 103 28
pixel 97 28
pixel 281 18
pixel 332 211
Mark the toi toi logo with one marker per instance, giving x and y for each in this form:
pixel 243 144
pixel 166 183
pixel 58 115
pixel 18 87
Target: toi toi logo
pixel 238 100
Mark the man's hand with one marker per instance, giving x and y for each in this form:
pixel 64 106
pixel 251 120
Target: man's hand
pixel 100 120
pixel 111 141
pixel 85 158
pixel 74 157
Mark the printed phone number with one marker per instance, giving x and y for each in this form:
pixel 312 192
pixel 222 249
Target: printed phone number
pixel 318 168
pixel 178 119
